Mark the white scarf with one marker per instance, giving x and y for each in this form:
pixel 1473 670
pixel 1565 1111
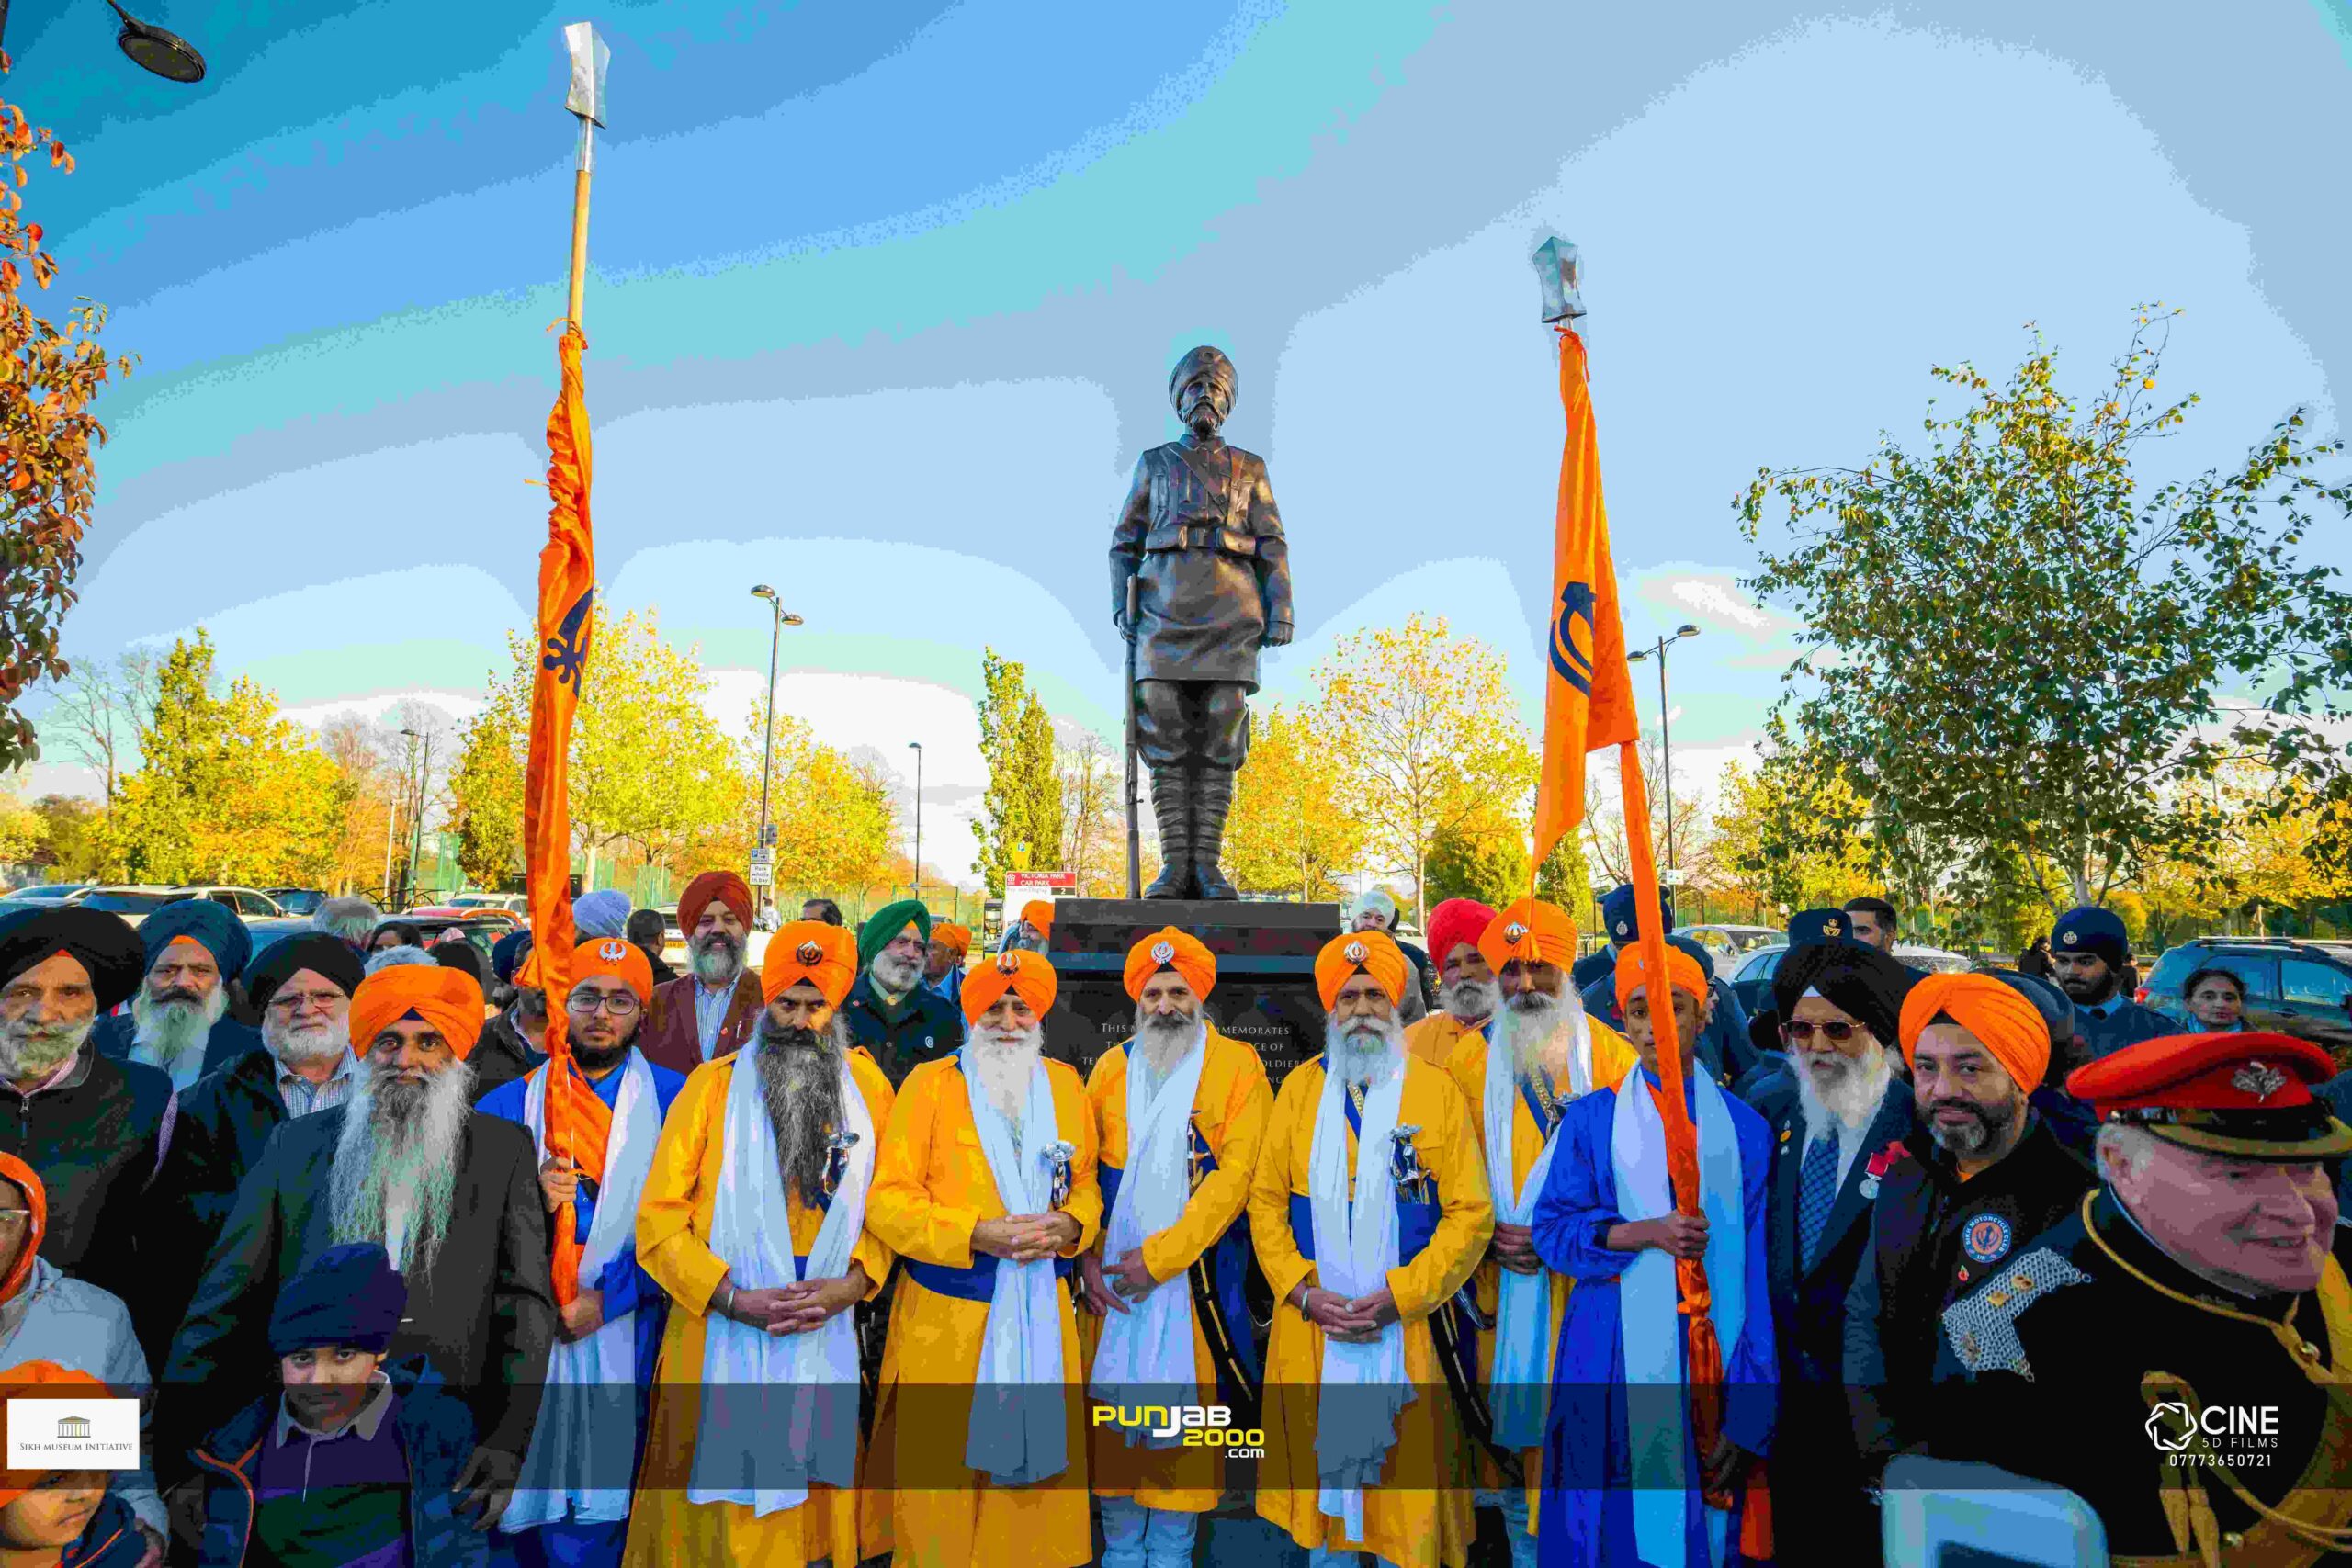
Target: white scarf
pixel 764 1450
pixel 1650 1321
pixel 1518 1386
pixel 1145 1356
pixel 1364 1386
pixel 569 1444
pixel 1016 1435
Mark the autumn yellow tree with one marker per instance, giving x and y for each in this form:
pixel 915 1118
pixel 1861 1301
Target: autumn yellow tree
pixel 1426 729
pixel 836 821
pixel 1294 827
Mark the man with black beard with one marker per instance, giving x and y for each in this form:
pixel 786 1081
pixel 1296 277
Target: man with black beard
pixel 571 1506
pixel 710 1010
pixel 452 1195
pixel 91 1128
pixel 302 986
pixel 179 1017
pixel 753 1221
pixel 2091 952
pixel 900 1020
pixel 1840 1110
pixel 1982 1177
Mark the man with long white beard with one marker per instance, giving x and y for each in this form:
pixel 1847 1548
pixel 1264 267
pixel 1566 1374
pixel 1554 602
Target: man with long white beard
pixel 302 986
pixel 1539 1054
pixel 179 1017
pixel 1182 1110
pixel 754 1222
pixel 1369 1210
pixel 91 1128
pixel 712 1008
pixel 986 1188
pixel 572 1506
pixel 1836 1128
pixel 452 1195
pixel 901 1022
pixel 1466 991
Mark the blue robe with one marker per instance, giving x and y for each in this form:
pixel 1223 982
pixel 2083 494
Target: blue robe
pixel 1586 1514
pixel 626 1287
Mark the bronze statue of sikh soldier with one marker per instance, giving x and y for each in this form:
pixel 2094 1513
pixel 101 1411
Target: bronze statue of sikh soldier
pixel 1200 534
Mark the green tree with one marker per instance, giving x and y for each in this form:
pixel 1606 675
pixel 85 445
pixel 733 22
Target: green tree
pixel 2020 647
pixel 1425 723
pixel 24 833
pixel 1790 829
pixel 48 473
pixel 226 790
pixel 1483 857
pixel 1020 826
pixel 1294 828
pixel 836 820
pixel 70 838
pixel 486 790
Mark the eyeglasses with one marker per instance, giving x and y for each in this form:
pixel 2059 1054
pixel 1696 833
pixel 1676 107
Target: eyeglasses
pixel 1799 1031
pixel 289 1003
pixel 620 1004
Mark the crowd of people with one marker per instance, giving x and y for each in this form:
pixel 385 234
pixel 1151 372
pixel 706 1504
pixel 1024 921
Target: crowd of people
pixel 835 1259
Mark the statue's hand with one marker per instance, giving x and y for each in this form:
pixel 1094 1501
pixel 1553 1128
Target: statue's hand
pixel 1277 634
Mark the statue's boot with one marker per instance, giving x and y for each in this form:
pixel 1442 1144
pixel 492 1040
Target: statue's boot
pixel 1212 799
pixel 1171 803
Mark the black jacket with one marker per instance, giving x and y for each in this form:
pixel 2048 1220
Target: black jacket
pixel 484 1314
pixel 930 1027
pixel 228 1041
pixel 1933 1237
pixel 95 1140
pixel 501 1055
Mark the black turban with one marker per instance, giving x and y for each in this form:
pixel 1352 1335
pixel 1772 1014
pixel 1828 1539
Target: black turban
pixel 1862 981
pixel 102 944
pixel 330 957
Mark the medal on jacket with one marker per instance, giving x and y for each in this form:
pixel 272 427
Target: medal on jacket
pixel 1058 1154
pixel 1405 1166
pixel 837 1149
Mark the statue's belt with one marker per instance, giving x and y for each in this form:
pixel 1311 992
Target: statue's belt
pixel 1184 537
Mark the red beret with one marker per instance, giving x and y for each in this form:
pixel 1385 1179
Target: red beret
pixel 2248 1095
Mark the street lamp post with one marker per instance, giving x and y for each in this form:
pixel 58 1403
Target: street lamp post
pixel 167 55
pixel 392 819
pixel 1665 740
pixel 416 827
pixel 916 747
pixel 783 618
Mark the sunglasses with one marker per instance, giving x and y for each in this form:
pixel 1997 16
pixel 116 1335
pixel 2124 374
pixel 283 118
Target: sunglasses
pixel 1799 1031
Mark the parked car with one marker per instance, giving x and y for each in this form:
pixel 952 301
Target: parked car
pixel 513 903
pixel 481 927
pixel 1752 982
pixel 425 912
pixel 45 893
pixel 2303 988
pixel 298 900
pixel 133 901
pixel 249 903
pixel 1727 943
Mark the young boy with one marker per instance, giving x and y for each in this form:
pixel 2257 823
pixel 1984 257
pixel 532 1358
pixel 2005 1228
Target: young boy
pixel 62 1518
pixel 352 1462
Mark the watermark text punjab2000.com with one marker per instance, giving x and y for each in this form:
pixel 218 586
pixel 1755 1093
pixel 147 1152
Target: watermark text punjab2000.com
pixel 2239 1436
pixel 1197 1426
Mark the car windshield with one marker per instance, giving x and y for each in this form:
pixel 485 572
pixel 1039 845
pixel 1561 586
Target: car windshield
pixel 40 895
pixel 1762 966
pixel 131 903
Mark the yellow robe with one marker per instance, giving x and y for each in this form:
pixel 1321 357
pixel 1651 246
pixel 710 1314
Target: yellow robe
pixel 1612 1057
pixel 1425 1518
pixel 1231 1109
pixel 932 1185
pixel 673 1222
pixel 1433 1038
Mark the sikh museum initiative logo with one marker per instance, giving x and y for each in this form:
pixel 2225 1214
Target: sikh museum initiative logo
pixel 72 1434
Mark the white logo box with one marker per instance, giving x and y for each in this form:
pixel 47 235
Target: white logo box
pixel 72 1434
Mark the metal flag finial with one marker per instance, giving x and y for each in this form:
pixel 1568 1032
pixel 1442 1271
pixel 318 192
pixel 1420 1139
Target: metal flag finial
pixel 589 58
pixel 1560 270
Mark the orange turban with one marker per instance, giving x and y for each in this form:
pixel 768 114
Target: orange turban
pixel 958 939
pixel 1681 970
pixel 41 1380
pixel 724 886
pixel 2010 1027
pixel 1531 931
pixel 1168 948
pixel 611 955
pixel 37 1200
pixel 824 955
pixel 1038 913
pixel 1026 975
pixel 1373 953
pixel 448 1000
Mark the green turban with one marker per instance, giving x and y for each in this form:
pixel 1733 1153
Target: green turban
pixel 884 925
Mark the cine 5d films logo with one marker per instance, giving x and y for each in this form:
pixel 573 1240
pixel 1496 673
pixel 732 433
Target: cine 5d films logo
pixel 1197 1426
pixel 72 1434
pixel 2231 1435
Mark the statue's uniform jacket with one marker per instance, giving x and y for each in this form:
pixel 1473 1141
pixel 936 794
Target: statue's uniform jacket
pixel 1200 529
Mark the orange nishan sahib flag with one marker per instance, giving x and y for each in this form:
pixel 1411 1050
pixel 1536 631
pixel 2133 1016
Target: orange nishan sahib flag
pixel 1587 686
pixel 567 602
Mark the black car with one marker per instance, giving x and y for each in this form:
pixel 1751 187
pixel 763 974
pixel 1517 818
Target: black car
pixel 2303 988
pixel 298 900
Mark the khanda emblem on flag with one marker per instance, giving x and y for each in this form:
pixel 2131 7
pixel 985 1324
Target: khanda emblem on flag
pixel 567 650
pixel 1572 650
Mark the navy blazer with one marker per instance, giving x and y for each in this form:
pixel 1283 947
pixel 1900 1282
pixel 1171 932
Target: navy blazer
pixel 1809 1305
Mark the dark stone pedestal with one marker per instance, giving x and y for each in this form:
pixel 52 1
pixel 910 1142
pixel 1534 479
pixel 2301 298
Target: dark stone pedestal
pixel 1265 973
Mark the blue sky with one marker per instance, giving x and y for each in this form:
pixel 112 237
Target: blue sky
pixel 885 295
